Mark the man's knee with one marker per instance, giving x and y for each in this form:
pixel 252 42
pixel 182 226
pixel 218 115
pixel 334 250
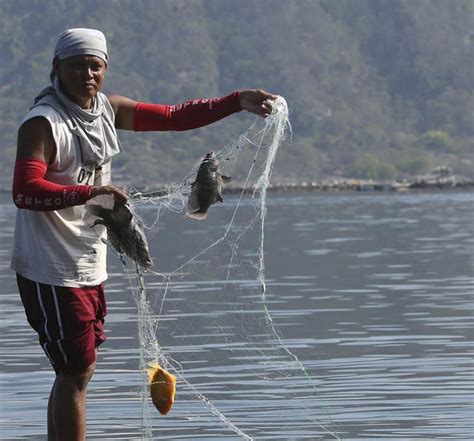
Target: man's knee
pixel 77 380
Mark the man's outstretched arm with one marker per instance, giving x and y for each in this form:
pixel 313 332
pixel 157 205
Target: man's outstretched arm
pixel 133 115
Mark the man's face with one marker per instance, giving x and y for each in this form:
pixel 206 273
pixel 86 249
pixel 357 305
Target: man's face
pixel 81 77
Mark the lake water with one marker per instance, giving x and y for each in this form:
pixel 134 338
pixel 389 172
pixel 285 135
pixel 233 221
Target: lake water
pixel 372 292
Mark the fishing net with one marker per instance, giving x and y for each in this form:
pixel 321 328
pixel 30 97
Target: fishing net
pixel 204 314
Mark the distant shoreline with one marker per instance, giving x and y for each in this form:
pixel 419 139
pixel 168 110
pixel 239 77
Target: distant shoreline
pixel 352 184
pixel 336 184
pixel 342 184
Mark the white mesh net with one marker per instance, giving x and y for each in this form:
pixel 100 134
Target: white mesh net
pixel 204 315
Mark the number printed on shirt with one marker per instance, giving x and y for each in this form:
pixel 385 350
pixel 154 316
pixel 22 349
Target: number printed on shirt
pixel 84 176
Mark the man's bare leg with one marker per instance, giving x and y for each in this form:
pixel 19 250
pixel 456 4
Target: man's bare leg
pixel 68 406
pixel 51 432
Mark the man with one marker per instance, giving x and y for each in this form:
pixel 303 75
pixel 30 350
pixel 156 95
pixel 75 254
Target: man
pixel 65 146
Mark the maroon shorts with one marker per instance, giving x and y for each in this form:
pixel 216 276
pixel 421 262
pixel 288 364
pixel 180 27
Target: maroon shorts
pixel 69 322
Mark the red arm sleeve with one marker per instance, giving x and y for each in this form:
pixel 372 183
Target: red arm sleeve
pixel 31 190
pixel 186 116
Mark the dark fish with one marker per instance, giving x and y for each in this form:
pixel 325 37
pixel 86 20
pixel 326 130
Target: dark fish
pixel 124 231
pixel 206 189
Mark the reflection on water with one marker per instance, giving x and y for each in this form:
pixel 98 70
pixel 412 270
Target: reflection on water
pixel 374 293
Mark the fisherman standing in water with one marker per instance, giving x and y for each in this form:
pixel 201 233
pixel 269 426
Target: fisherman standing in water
pixel 65 146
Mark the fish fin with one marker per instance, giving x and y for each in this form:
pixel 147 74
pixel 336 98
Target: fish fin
pixel 150 373
pixel 95 210
pixel 196 215
pixel 226 178
pixel 193 202
pixel 105 201
pixel 152 368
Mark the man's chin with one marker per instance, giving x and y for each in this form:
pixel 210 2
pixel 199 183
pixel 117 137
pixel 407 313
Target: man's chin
pixel 85 96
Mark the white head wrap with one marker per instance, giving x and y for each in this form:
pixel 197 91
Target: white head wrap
pixel 81 41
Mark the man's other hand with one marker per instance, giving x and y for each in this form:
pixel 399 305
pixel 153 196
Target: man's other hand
pixel 118 194
pixel 257 101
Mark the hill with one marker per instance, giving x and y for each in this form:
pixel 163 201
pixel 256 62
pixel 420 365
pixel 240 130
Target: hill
pixel 376 88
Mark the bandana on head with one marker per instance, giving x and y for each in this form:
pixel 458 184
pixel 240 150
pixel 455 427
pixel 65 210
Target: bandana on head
pixel 81 41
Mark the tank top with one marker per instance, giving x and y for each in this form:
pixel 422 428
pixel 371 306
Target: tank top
pixel 60 247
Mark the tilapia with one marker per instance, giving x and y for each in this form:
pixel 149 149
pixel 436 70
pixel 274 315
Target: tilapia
pixel 162 387
pixel 206 189
pixel 124 230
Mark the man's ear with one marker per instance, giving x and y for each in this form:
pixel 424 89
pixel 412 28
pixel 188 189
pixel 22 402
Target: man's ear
pixel 56 63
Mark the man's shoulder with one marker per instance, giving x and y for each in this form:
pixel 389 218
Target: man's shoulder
pixel 36 124
pixel 44 113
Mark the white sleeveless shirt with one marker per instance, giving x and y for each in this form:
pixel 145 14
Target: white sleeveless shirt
pixel 60 247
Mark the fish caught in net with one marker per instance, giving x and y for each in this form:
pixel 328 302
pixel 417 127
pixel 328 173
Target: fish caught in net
pixel 204 310
pixel 124 230
pixel 162 387
pixel 206 189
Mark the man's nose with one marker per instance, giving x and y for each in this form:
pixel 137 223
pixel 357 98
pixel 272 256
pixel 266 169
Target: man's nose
pixel 87 73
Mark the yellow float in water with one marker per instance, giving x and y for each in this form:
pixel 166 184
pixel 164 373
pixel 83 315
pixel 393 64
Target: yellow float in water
pixel 162 387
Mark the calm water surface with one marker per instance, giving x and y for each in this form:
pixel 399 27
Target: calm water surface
pixel 373 292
